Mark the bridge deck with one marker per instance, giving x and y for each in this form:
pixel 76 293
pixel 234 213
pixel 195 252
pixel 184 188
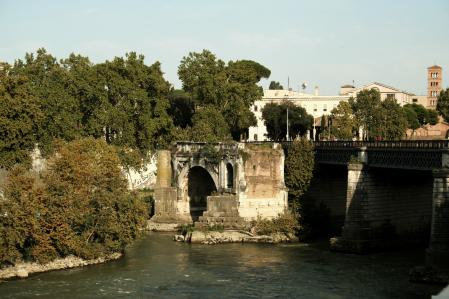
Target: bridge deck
pixel 402 154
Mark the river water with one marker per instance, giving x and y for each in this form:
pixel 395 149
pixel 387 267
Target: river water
pixel 157 267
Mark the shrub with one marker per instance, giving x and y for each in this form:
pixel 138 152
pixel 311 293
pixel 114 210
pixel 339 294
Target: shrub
pixel 82 207
pixel 286 223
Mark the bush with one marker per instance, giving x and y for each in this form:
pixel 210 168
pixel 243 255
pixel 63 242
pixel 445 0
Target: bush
pixel 286 223
pixel 81 207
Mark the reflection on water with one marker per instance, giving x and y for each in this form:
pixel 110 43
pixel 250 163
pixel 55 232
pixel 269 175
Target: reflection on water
pixel 157 267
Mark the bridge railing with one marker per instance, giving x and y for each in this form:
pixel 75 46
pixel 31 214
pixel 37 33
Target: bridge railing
pixel 399 144
pixel 395 144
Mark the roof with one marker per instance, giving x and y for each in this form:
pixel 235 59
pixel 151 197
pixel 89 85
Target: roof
pixel 347 86
pixel 434 67
pixel 384 85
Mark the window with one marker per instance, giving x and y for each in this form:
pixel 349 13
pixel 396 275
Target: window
pixel 315 108
pixel 415 100
pixel 325 107
pixel 255 137
pixel 390 96
pixel 255 108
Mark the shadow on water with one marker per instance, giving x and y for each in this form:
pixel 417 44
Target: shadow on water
pixel 157 267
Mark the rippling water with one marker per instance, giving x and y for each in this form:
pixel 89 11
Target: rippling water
pixel 157 267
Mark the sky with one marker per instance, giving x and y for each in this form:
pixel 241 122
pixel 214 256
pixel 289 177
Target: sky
pixel 323 43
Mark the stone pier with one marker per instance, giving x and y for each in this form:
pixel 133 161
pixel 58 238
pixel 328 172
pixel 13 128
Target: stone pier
pixel 225 184
pixel 438 251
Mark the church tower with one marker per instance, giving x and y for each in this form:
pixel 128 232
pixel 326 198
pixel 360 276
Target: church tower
pixel 434 84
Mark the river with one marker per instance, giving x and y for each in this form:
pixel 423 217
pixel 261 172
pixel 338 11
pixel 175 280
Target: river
pixel 157 267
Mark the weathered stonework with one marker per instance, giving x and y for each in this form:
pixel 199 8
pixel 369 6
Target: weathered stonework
pixel 220 184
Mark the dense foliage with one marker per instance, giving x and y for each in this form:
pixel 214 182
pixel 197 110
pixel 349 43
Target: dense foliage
pixel 229 88
pixel 123 101
pixel 443 104
pixel 299 166
pixel 274 85
pixel 343 121
pixel 20 119
pixel 275 117
pixel 380 120
pixel 79 206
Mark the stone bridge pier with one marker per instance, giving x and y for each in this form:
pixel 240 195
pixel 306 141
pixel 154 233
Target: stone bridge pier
pixel 226 184
pixel 395 197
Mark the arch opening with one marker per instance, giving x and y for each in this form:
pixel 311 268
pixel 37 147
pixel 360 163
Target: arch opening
pixel 229 176
pixel 200 186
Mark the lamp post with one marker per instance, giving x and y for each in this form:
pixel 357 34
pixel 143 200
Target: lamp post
pixel 287 126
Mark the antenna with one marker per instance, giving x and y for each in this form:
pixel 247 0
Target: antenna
pixel 288 83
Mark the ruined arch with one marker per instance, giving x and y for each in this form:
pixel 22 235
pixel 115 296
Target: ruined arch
pixel 200 184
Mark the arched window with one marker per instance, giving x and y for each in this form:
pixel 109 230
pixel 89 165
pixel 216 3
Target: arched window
pixel 229 176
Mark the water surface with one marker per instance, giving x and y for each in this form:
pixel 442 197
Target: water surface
pixel 157 267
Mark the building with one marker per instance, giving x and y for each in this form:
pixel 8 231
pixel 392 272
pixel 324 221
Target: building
pixel 318 106
pixel 402 97
pixel 434 84
pixel 314 104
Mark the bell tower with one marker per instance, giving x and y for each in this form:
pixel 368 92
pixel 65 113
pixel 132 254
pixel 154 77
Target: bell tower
pixel 434 84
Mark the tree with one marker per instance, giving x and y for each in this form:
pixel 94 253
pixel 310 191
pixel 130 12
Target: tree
pixel 48 84
pixel 274 85
pixel 275 117
pixel 443 104
pixel 209 125
pixel 393 123
pixel 343 121
pixel 133 103
pixel 20 119
pixel 299 165
pixel 181 108
pixel 231 88
pixel 412 117
pixel 368 112
pixel 432 116
pixel 81 206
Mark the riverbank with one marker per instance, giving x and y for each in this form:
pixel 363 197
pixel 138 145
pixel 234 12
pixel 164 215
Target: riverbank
pixel 24 269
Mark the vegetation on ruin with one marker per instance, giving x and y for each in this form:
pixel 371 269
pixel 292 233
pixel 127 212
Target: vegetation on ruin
pixel 80 205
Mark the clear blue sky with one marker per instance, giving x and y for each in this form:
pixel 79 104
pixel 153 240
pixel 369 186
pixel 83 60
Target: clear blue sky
pixel 324 43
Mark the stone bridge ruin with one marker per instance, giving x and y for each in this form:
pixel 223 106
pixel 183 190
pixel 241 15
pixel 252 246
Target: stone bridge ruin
pixel 224 184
